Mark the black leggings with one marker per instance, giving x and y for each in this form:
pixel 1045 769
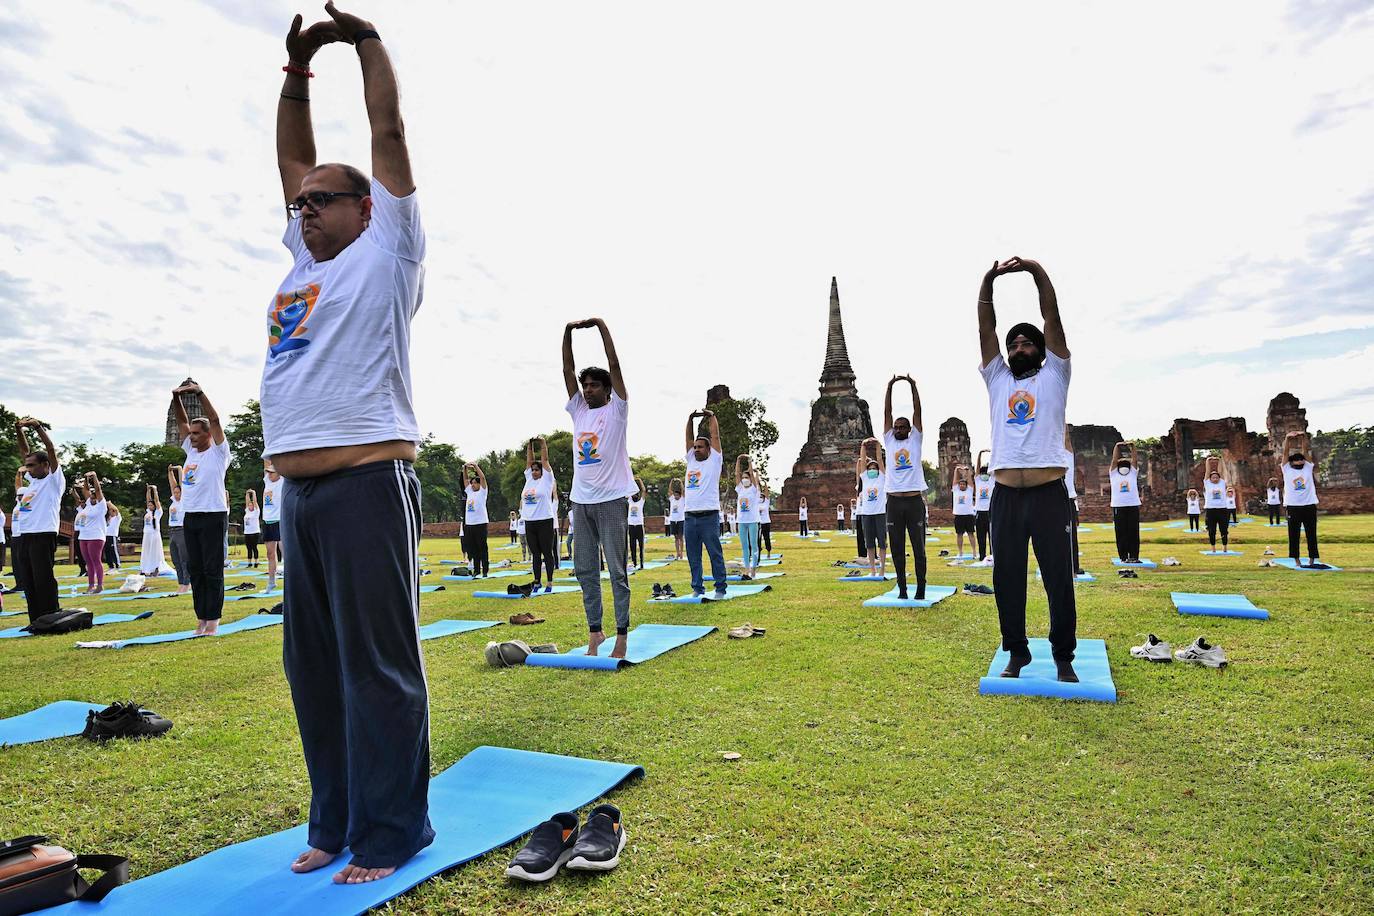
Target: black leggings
pixel 251 540
pixel 635 536
pixel 1192 522
pixel 543 541
pixel 1274 514
pixel 1219 518
pixel 1303 518
pixel 204 536
pixel 475 546
pixel 906 515
pixel 1126 520
pixel 17 561
pixel 982 523
pixel 1073 526
pixel 804 530
pixel 766 536
pixel 859 538
pixel 513 534
pixel 1234 520
pixel 111 555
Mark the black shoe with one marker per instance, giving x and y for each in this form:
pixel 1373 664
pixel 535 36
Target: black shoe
pixel 524 591
pixel 658 590
pixel 512 589
pixel 602 839
pixel 668 592
pixel 549 847
pixel 126 720
pixel 901 594
pixel 1015 664
pixel 920 591
pixel 1066 672
pixel 745 577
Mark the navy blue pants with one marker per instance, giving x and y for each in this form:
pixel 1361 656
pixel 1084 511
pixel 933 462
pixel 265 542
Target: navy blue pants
pixel 352 658
pixel 203 534
pixel 703 530
pixel 1039 517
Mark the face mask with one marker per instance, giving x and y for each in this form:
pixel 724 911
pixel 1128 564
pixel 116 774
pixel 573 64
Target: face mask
pixel 872 473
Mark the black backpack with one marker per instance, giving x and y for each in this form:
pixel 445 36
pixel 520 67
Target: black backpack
pixel 68 620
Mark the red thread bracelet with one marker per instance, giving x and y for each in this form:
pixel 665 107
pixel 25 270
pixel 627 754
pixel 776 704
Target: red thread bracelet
pixel 299 71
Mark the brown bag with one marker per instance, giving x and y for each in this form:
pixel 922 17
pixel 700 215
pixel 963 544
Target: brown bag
pixel 35 875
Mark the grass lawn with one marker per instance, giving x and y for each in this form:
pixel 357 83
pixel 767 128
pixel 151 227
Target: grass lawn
pixel 873 776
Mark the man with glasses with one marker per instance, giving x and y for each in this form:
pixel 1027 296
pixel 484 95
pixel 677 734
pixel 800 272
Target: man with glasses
pixel 339 426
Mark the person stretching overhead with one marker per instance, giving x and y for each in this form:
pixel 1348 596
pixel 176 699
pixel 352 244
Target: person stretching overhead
pixel 1231 504
pixel 701 503
pixel 91 512
pixel 1214 502
pixel 37 513
pixel 634 525
pixel 475 521
pixel 839 516
pixel 112 522
pixel 538 501
pixel 1027 398
pixel 602 483
pixel 802 528
pixel 21 486
pixel 676 516
pixel 982 504
pixel 765 519
pixel 963 502
pixel 747 494
pixel 1273 500
pixel 905 484
pixel 1194 503
pixel 150 557
pixel 271 520
pixel 1069 475
pixel 870 515
pixel 1300 496
pixel 177 532
pixel 252 526
pixel 1125 488
pixel 205 511
pixel 339 425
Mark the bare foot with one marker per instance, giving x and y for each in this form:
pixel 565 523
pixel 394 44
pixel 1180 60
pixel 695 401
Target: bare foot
pixel 311 859
pixel 211 627
pixel 594 642
pixel 356 874
pixel 183 589
pixel 619 650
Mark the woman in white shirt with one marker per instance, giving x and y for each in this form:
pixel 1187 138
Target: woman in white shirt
pixel 252 526
pixel 746 522
pixel 1231 503
pixel 964 504
pixel 176 533
pixel 802 528
pixel 871 511
pixel 765 519
pixel 677 516
pixel 150 557
pixel 112 522
pixel 634 525
pixel 92 515
pixel 475 521
pixel 271 520
pixel 539 512
pixel 1194 509
pixel 1273 500
pixel 839 516
pixel 983 483
pixel 1125 490
pixel 1214 504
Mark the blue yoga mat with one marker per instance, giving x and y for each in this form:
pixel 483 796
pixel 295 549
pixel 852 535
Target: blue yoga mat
pixel 1143 564
pixel 1287 563
pixel 646 641
pixel 1086 577
pixel 56 720
pixel 252 622
pixel 557 590
pixel 499 574
pixel 934 594
pixel 1038 679
pixel 492 796
pixel 1217 605
pixel 734 591
pixel 887 578
pixel 1220 553
pixel 99 620
pixel 1175 524
pixel 147 596
pixel 10 613
pixel 449 627
pixel 244 596
pixel 956 556
pixel 424 589
pixel 736 576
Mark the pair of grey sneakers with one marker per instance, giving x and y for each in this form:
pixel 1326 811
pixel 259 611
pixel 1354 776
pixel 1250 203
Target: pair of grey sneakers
pixel 1199 652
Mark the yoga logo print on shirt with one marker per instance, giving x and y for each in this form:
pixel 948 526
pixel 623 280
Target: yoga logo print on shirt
pixel 472 504
pixel 267 498
pixel 25 503
pixel 962 499
pixel 873 494
pixel 983 493
pixel 531 497
pixel 902 459
pixel 1125 487
pixel 1216 494
pixel 188 475
pixel 744 504
pixel 587 449
pixel 1299 484
pixel 1020 408
pixel 694 480
pixel 286 317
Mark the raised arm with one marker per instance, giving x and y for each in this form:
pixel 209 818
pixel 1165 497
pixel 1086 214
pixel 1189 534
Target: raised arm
pixel 179 411
pixel 43 437
pixel 915 407
pixel 216 430
pixel 93 482
pixel 569 367
pixel 1049 305
pixel 714 429
pixel 612 360
pixel 987 316
pixel 173 476
pixel 157 500
pixel 979 463
pixel 390 157
pixel 1135 456
pixel 1116 454
pixel 481 477
pixel 887 405
pixel 295 136
pixel 23 440
pixel 640 481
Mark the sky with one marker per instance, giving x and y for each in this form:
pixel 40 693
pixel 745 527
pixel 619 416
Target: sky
pixel 1196 179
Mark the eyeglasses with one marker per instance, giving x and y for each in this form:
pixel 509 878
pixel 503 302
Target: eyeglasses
pixel 316 201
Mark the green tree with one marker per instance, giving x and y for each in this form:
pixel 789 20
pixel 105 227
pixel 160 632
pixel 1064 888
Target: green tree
pixel 500 500
pixel 1354 443
pixel 244 432
pixel 560 457
pixel 9 448
pixel 744 430
pixel 440 469
pixel 656 474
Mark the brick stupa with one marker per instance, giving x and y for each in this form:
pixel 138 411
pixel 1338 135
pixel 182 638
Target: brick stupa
pixel 824 471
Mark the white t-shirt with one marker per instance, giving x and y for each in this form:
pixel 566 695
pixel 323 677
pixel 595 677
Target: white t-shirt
pixel 475 512
pixel 174 514
pixel 675 513
pixel 1214 494
pixel 1273 496
pixel 634 514
pixel 872 495
pixel 17 520
pixel 1230 500
pixel 839 513
pixel 251 518
pixel 1194 507
pixel 1299 487
pixel 983 484
pixel 513 526
pixel 337 369
pixel 536 500
pixel 904 472
pixel 519 525
pixel 801 513
pixel 2 526
pixel 92 517
pixel 601 465
pixel 765 510
pixel 202 477
pixel 271 498
pixel 151 519
pixel 701 485
pixel 747 503
pixel 963 500
pixel 1125 487
pixel 1028 414
pixel 112 525
pixel 41 503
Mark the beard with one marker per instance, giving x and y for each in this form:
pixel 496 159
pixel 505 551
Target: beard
pixel 1021 363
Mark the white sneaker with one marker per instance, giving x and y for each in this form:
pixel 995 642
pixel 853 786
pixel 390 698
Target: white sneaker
pixel 1203 654
pixel 1153 649
pixel 1268 551
pixel 1170 561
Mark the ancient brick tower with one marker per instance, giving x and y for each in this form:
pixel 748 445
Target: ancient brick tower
pixel 193 410
pixel 824 471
